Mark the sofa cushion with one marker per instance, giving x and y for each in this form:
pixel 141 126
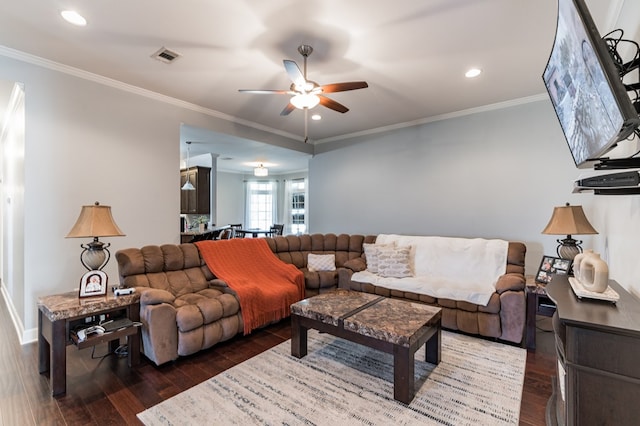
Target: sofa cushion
pixel 188 317
pixel 394 262
pixel 321 262
pixel 371 255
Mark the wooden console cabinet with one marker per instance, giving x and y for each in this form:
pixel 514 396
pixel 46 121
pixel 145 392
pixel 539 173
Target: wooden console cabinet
pixel 197 201
pixel 598 344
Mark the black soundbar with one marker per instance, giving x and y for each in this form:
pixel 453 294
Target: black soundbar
pixel 611 180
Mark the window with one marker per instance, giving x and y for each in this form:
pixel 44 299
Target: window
pixel 260 211
pixel 298 206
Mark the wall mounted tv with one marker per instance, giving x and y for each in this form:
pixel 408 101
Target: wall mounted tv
pixel 585 87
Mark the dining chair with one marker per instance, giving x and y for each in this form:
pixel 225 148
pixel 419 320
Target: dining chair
pixel 227 234
pixel 277 229
pixel 234 227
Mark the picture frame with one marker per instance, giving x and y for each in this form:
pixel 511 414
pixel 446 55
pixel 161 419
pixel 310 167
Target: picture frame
pixel 550 266
pixel 93 283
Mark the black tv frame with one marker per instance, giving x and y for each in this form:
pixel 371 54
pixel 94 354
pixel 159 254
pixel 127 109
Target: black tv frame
pixel 614 71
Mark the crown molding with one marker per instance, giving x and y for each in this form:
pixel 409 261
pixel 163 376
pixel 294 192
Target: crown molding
pixel 456 114
pixel 106 81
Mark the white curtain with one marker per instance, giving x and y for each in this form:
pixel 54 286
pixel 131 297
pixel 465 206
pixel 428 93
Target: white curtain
pixel 261 203
pixel 286 207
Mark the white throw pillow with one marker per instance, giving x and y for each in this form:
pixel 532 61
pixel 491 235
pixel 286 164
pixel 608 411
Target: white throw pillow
pixel 321 262
pixel 394 262
pixel 371 255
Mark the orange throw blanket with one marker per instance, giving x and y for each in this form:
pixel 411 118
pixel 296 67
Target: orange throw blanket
pixel 265 285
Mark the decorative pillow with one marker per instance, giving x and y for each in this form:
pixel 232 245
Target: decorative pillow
pixel 371 255
pixel 321 262
pixel 394 262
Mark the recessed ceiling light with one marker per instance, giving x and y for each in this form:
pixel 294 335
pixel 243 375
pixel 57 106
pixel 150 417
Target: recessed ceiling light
pixel 316 117
pixel 73 17
pixel 473 72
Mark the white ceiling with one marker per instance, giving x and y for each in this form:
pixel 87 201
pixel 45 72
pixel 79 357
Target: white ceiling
pixel 412 53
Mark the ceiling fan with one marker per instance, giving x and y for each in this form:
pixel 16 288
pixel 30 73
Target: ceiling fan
pixel 306 94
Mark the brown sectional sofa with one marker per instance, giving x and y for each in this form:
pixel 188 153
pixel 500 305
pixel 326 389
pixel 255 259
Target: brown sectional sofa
pixel 184 308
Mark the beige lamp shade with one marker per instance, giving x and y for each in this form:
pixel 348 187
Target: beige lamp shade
pixel 568 220
pixel 95 221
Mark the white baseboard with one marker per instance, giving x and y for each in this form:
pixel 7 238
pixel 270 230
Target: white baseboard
pixel 24 336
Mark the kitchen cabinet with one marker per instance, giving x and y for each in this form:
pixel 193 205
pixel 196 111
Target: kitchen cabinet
pixel 197 201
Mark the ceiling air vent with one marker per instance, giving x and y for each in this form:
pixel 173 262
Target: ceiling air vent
pixel 165 55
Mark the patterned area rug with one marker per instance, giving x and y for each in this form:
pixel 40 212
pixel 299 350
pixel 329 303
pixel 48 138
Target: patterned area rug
pixel 477 383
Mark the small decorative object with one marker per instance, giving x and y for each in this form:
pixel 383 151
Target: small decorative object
pixel 94 221
pixel 93 283
pixel 550 266
pixel 592 271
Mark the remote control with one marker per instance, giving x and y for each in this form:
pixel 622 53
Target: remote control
pixel 124 291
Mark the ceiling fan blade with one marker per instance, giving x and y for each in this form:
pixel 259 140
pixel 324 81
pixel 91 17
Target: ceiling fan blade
pixel 331 104
pixel 287 109
pixel 294 72
pixel 267 92
pixel 343 87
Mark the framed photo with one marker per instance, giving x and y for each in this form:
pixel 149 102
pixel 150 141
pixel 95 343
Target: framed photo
pixel 93 283
pixel 550 266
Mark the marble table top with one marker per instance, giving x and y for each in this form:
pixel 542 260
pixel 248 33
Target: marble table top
pixel 69 305
pixel 390 320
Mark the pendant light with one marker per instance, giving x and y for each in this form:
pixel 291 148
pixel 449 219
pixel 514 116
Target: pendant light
pixel 188 186
pixel 261 171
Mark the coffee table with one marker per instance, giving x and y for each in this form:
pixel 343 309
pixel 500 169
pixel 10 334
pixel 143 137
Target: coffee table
pixel 393 326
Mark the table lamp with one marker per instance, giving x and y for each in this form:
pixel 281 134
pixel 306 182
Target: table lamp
pixel 569 220
pixel 95 221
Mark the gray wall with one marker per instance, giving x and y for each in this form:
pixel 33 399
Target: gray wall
pixel 497 173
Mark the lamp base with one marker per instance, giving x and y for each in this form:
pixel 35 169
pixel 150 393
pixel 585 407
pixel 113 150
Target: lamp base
pixel 569 248
pixel 95 255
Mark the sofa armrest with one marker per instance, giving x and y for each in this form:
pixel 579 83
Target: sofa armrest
pixel 344 278
pixel 510 282
pixel 357 264
pixel 154 296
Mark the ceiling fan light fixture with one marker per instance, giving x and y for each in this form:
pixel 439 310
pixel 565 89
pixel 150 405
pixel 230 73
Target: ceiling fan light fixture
pixel 261 171
pixel 305 100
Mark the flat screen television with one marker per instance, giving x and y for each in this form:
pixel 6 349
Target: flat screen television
pixel 586 90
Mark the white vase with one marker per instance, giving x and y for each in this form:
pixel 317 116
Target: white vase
pixel 594 273
pixel 577 261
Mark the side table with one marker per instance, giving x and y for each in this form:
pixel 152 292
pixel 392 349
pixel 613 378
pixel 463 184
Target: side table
pixel 538 303
pixel 57 316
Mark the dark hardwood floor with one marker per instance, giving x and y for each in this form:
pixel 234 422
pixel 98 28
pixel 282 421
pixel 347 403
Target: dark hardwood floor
pixel 105 391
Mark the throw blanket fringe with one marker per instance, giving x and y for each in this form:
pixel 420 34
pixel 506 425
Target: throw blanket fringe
pixel 266 286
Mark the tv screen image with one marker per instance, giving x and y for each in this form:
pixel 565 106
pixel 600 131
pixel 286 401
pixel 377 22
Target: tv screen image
pixel 589 99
